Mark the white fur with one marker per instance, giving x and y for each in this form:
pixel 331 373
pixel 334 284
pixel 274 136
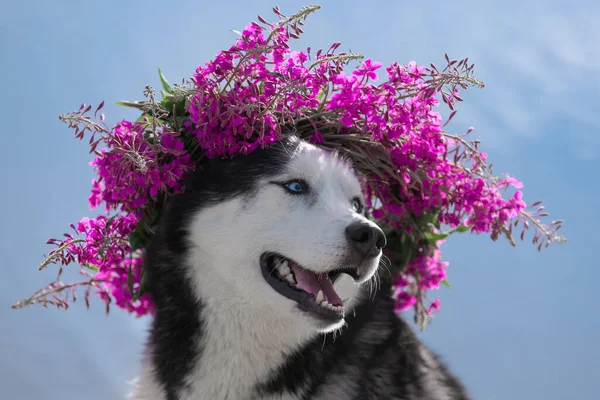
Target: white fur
pixel 250 328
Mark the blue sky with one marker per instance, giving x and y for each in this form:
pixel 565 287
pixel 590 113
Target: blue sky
pixel 517 324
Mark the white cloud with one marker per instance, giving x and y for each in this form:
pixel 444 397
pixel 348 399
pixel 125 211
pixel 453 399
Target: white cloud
pixel 540 61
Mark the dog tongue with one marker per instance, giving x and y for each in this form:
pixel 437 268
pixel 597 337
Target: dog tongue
pixel 329 291
pixel 311 283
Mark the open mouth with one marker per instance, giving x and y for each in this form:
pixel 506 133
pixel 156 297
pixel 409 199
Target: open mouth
pixel 313 292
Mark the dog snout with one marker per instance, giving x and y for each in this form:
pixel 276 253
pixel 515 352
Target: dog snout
pixel 368 239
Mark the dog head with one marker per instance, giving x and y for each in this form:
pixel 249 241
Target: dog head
pixel 273 230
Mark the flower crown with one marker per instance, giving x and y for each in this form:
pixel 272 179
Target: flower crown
pixel 421 183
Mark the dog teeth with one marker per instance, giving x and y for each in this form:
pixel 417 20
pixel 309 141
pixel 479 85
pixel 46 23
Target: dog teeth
pixel 290 279
pixel 322 302
pixel 319 297
pixel 283 268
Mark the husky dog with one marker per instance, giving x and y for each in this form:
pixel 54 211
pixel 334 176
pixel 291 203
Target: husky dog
pixel 241 271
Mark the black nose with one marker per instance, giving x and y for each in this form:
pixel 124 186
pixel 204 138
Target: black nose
pixel 367 238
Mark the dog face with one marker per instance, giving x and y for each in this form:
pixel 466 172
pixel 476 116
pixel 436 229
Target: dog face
pixel 271 230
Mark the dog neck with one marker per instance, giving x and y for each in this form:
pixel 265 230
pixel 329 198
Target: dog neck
pixel 241 343
pixel 240 347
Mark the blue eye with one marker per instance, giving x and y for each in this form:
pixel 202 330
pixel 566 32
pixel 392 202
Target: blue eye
pixel 296 187
pixel 357 205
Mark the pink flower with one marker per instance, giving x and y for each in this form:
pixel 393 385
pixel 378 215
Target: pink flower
pixel 434 306
pixel 317 138
pixel 368 69
pixel 404 302
pixel 415 70
pixel 116 280
pixel 510 181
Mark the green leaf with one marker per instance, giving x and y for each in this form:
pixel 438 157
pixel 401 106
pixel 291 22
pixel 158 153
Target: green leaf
pixel 164 82
pixel 446 283
pixel 133 104
pixel 143 285
pixel 90 267
pixel 130 281
pixel 137 240
pixel 434 237
pixel 167 103
pixel 321 93
pixel 277 74
pixel 461 228
pixel 180 107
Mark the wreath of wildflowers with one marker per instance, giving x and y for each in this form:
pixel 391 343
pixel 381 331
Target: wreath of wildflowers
pixel 421 183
